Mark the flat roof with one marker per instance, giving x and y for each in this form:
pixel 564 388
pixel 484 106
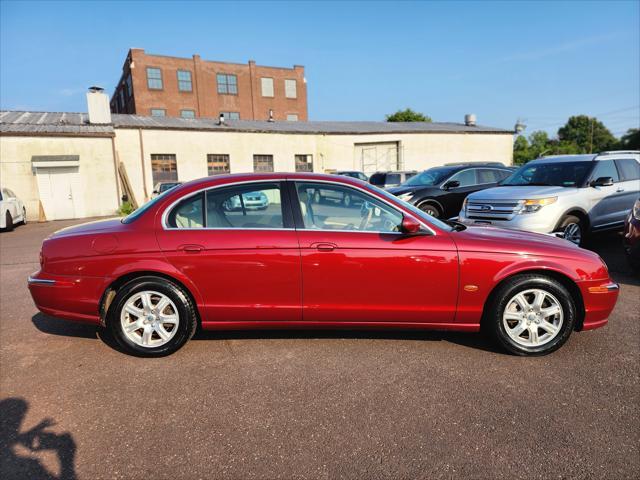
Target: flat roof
pixel 78 123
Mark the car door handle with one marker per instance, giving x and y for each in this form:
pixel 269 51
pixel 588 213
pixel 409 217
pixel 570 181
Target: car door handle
pixel 620 190
pixel 324 246
pixel 191 248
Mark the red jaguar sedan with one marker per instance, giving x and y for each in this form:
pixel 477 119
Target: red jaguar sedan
pixel 257 251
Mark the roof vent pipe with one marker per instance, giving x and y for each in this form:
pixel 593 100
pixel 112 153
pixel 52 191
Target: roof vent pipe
pixel 470 119
pixel 271 116
pixel 98 106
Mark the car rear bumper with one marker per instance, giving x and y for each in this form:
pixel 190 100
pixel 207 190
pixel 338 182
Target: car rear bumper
pixel 600 298
pixel 68 297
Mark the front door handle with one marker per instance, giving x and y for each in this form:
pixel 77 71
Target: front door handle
pixel 620 190
pixel 324 246
pixel 191 248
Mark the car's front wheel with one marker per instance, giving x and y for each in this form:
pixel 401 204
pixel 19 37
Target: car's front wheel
pixel 430 209
pixel 151 317
pixel 530 315
pixel 572 229
pixel 8 222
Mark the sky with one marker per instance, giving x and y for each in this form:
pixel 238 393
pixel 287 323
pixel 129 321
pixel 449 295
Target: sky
pixel 536 61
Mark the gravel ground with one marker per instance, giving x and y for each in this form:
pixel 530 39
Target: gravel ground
pixel 312 404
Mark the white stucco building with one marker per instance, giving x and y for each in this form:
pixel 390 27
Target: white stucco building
pixel 62 165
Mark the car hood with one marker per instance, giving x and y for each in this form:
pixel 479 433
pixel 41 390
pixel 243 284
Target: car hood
pixel 96 226
pixel 492 239
pixel 520 193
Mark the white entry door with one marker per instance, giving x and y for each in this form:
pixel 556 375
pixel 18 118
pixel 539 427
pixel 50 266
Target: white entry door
pixel 58 188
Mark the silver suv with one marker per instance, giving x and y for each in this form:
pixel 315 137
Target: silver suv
pixel 570 194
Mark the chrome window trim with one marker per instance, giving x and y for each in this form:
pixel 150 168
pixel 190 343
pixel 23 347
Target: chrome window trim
pixel 165 213
pixel 40 281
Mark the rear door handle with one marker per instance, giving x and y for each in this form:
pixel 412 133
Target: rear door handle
pixel 620 190
pixel 191 248
pixel 324 246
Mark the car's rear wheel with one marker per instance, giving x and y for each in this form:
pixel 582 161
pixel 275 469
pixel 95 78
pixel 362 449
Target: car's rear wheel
pixel 430 209
pixel 24 216
pixel 573 229
pixel 8 225
pixel 530 315
pixel 151 317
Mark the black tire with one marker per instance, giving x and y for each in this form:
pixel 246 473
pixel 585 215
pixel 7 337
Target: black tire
pixel 188 319
pixel 8 225
pixel 430 208
pixel 567 226
pixel 24 216
pixel 493 324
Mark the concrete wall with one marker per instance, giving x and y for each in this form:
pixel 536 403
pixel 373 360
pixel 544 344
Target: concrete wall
pixel 97 195
pixel 330 152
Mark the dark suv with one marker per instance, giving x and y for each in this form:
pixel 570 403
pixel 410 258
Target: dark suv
pixel 391 179
pixel 440 191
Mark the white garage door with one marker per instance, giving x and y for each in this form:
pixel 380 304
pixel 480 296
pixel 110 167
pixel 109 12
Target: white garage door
pixel 375 157
pixel 59 188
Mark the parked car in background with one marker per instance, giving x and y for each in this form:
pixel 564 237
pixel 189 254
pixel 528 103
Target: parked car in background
pixel 181 261
pixel 353 174
pixel 632 236
pixel 573 195
pixel 391 179
pixel 12 210
pixel 249 201
pixel 440 191
pixel 162 187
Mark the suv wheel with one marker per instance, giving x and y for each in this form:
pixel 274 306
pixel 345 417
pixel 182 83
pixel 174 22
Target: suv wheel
pixel 530 315
pixel 430 209
pixel 151 317
pixel 573 229
pixel 8 222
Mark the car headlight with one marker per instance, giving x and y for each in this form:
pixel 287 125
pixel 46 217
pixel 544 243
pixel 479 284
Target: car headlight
pixel 636 210
pixel 535 204
pixel 405 197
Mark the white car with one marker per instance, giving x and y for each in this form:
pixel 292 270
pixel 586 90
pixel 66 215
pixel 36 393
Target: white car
pixel 12 210
pixel 572 195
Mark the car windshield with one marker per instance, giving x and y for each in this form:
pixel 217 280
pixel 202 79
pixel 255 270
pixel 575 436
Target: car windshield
pixel 558 174
pixel 433 176
pixel 138 212
pixel 415 210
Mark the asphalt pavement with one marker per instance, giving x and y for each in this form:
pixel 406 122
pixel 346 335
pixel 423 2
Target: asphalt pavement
pixel 300 404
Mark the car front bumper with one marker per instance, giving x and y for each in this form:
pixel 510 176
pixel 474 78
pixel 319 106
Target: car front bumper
pixel 599 297
pixel 538 222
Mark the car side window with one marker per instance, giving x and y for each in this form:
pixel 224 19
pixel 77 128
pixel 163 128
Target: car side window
pixel 487 175
pixel 245 206
pixel 343 208
pixel 629 169
pixel 393 179
pixel 605 168
pixel 466 178
pixel 189 213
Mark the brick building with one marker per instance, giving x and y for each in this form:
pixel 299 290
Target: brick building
pixel 158 85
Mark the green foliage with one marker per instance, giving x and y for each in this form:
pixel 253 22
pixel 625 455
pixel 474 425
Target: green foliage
pixel 407 115
pixel 125 209
pixel 630 140
pixel 581 134
pixel 587 133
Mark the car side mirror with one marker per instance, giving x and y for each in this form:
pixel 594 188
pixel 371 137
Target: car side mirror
pixel 155 191
pixel 409 225
pixel 602 182
pixel 451 184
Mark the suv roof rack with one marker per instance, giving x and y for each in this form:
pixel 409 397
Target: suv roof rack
pixel 460 164
pixel 617 152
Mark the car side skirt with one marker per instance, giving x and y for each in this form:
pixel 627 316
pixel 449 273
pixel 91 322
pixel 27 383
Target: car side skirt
pixel 253 325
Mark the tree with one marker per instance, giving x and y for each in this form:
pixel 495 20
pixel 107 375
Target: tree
pixel 588 134
pixel 521 153
pixel 630 140
pixel 407 115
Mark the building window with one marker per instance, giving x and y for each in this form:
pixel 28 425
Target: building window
pixel 267 86
pixel 158 112
pixel 164 167
pixel 263 163
pixel 218 163
pixel 227 84
pixel 188 113
pixel 231 115
pixel 292 117
pixel 129 86
pixel 290 89
pixel 154 78
pixel 304 163
pixel 184 80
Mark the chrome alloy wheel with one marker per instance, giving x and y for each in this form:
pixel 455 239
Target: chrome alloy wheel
pixel 533 318
pixel 149 319
pixel 573 233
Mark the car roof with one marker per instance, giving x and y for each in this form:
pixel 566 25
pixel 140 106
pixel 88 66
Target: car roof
pixel 565 159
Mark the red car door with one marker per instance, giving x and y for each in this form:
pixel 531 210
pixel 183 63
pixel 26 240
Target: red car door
pixel 358 267
pixel 238 245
